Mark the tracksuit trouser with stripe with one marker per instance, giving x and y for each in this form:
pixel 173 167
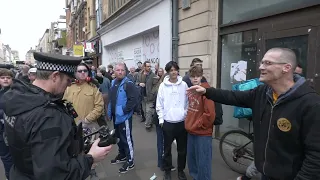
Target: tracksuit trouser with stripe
pixel 124 133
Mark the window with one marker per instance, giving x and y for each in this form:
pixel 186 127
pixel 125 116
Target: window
pixel 235 10
pixel 115 5
pixel 238 63
pixel 299 44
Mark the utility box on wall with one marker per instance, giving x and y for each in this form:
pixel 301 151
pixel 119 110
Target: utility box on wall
pixel 186 4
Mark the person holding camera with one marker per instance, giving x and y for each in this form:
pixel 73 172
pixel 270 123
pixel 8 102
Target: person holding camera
pixel 43 139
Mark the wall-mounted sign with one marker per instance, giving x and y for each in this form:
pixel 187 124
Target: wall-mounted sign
pixel 78 50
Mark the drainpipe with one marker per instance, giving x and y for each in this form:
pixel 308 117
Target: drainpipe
pixel 175 30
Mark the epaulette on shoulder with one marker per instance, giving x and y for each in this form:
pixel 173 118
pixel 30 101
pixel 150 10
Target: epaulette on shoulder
pixel 92 84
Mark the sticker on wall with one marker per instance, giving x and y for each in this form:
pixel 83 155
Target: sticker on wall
pixel 137 55
pixel 238 71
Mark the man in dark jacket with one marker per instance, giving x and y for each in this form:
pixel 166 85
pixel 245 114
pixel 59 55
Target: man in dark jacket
pixel 146 80
pixel 43 138
pixel 285 114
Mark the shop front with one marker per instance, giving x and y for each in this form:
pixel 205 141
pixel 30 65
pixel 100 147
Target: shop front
pixel 144 33
pixel 249 29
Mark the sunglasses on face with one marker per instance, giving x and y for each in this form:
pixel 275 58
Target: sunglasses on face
pixel 82 71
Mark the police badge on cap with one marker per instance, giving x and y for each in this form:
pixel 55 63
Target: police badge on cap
pixel 56 62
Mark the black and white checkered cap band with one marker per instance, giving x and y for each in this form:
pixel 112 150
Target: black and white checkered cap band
pixel 56 67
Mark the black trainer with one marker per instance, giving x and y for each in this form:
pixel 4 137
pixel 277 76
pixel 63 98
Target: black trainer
pixel 118 159
pixel 182 175
pixel 93 175
pixel 167 175
pixel 172 168
pixel 126 167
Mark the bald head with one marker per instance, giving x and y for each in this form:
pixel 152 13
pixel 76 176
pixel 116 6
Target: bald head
pixel 285 55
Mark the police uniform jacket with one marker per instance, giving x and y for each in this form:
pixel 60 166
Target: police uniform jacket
pixel 42 136
pixel 286 132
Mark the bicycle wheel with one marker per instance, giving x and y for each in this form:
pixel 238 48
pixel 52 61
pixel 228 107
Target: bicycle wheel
pixel 236 149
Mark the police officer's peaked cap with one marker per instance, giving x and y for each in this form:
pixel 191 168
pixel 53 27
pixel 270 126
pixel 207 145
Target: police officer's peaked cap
pixel 56 62
pixel 6 66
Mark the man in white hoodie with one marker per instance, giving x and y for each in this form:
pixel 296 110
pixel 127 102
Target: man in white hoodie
pixel 172 103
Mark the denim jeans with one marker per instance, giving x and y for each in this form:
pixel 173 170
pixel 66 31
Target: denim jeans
pixel 199 155
pixel 159 145
pixel 5 155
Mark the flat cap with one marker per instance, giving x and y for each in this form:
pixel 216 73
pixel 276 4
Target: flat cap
pixel 6 66
pixel 56 62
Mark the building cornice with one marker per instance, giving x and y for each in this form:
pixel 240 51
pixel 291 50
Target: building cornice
pixel 137 9
pixel 94 38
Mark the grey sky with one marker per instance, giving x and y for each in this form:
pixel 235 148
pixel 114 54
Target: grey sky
pixel 23 22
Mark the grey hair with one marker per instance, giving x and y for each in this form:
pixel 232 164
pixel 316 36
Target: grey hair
pixel 120 64
pixel 287 55
pixel 43 75
pixel 103 68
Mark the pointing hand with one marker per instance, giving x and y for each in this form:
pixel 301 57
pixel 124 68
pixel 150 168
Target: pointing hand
pixel 198 89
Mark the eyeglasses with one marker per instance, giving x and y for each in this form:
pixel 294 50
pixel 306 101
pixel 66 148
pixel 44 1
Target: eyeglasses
pixel 82 71
pixel 270 63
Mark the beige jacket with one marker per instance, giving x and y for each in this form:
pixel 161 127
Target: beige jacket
pixel 87 101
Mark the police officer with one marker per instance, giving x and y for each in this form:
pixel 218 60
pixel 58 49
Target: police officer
pixel 43 138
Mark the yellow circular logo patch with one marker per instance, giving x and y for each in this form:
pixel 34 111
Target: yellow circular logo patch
pixel 284 124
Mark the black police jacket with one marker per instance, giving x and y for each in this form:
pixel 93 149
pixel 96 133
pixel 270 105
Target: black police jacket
pixel 287 132
pixel 42 136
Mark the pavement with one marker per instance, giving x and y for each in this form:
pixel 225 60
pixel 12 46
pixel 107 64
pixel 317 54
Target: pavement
pixel 146 160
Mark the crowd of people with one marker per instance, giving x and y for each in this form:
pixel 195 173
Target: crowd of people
pixel 42 135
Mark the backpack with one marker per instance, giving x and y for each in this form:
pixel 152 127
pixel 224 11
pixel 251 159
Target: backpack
pixel 240 112
pixel 138 94
pixel 219 114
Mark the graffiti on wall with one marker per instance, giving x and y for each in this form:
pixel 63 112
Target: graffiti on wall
pixel 136 51
pixel 112 55
pixel 150 46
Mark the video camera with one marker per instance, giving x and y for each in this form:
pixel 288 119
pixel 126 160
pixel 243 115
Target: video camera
pixel 106 136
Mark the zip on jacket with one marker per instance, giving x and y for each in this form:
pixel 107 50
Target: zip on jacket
pixel 121 103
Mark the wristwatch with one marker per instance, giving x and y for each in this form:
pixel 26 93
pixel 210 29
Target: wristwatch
pixel 90 159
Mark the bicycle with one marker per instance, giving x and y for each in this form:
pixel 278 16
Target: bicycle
pixel 242 150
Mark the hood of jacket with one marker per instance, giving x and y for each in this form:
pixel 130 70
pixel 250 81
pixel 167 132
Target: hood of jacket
pixel 24 97
pixel 168 83
pixel 300 88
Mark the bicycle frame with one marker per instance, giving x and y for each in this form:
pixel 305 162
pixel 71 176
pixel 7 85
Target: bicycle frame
pixel 242 154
